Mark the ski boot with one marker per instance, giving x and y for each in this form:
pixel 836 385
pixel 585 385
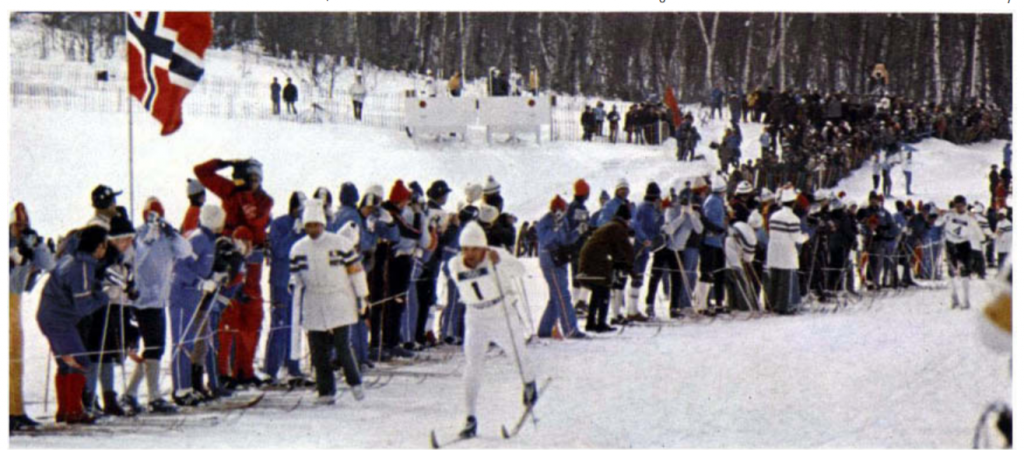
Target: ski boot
pixel 131 405
pixel 189 398
pixel 468 431
pixel 110 406
pixel 161 406
pixel 358 393
pixel 22 422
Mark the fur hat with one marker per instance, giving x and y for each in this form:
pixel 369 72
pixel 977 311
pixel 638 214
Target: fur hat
pixel 212 217
pixel 473 236
pixel 581 188
pixel 314 212
pixel 349 194
pixel 152 205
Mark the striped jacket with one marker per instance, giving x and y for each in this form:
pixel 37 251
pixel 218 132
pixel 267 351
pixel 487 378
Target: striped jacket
pixel 320 267
pixel 783 237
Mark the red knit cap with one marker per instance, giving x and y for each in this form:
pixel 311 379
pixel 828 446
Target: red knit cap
pixel 152 205
pixel 558 204
pixel 399 193
pixel 243 234
pixel 581 188
pixel 666 203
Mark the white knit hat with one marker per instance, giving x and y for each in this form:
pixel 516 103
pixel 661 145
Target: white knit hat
pixel 744 187
pixel 212 217
pixel 787 195
pixel 492 186
pixel 314 212
pixel 622 184
pixel 473 236
pixel 489 214
pixel 474 192
pixel 717 183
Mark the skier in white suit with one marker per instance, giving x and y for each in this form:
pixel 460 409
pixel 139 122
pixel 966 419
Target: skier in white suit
pixel 485 277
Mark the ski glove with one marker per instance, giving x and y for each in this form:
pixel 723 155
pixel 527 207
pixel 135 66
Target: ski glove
pixel 208 286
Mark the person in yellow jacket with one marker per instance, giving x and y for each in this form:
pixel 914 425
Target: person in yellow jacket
pixel 28 256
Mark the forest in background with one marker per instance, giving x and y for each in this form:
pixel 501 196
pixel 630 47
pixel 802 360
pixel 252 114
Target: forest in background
pixel 630 56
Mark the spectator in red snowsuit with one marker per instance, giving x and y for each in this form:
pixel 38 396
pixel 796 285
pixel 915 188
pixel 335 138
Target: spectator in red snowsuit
pixel 245 204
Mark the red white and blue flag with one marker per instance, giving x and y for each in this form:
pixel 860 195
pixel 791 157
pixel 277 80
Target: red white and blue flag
pixel 165 60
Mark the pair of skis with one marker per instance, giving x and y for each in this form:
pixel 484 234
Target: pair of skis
pixel 506 433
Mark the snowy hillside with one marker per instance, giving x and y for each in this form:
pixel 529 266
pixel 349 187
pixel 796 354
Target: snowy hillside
pixel 897 370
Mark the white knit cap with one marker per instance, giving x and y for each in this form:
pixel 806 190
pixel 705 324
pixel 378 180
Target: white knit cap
pixel 744 187
pixel 787 195
pixel 622 184
pixel 489 214
pixel 212 217
pixel 717 183
pixel 474 192
pixel 473 236
pixel 492 186
pixel 314 212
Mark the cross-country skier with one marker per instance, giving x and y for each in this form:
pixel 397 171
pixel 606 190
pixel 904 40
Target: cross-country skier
pixel 29 256
pixel 485 277
pixel 157 246
pixel 328 281
pixel 285 231
pixel 958 226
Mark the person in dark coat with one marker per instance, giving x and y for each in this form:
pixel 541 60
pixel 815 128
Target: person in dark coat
pixel 275 96
pixel 291 95
pixel 587 121
pixel 605 262
pixel 73 292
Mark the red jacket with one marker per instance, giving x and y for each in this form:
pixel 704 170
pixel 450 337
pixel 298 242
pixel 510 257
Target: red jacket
pixel 235 201
pixel 191 221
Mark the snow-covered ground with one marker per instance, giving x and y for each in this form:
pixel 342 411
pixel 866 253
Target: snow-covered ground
pixel 896 371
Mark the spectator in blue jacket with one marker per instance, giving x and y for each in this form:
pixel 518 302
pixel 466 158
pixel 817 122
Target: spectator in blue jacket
pixel 193 277
pixel 717 96
pixel 580 221
pixel 285 231
pixel 556 239
pixel 73 292
pixel 157 247
pixel 646 225
pixel 712 250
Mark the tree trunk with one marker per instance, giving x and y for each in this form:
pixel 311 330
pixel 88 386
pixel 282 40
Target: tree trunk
pixel 782 51
pixel 746 53
pixel 463 31
pixel 709 44
pixel 976 57
pixel 936 58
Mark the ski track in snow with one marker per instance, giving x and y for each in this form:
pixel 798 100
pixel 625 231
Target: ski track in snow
pixel 901 371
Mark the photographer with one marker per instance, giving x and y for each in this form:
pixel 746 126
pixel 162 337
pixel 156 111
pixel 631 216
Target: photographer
pixel 158 245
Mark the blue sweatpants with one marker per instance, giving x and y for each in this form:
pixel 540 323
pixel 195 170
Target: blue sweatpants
pixel 279 349
pixel 560 306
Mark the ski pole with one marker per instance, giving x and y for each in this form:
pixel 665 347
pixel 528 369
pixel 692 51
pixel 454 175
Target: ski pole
pixel 46 383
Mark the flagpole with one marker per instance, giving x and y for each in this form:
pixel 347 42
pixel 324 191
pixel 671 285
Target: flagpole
pixel 131 163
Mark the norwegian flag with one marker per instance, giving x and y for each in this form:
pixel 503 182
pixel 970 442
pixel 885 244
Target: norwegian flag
pixel 165 60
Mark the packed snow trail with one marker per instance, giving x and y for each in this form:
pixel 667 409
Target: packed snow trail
pixel 902 371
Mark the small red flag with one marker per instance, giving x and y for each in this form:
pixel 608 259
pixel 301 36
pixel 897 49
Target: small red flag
pixel 670 100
